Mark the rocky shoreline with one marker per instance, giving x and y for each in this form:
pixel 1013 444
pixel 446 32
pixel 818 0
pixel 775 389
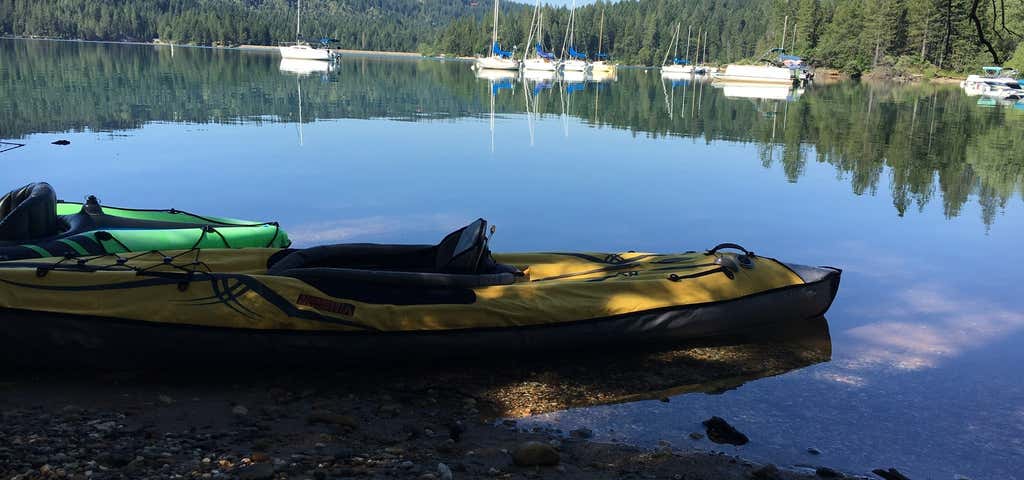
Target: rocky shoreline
pixel 450 420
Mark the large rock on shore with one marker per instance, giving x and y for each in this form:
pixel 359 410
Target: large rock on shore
pixel 529 454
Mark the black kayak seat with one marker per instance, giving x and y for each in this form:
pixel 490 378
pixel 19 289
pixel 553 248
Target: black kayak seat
pixel 461 260
pixel 29 212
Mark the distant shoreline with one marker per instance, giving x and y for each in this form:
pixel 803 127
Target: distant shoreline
pixel 157 42
pixel 415 55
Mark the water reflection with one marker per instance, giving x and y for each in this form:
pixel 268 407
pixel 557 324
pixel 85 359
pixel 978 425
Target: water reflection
pixel 934 143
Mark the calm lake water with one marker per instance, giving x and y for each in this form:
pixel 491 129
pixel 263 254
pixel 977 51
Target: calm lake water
pixel 915 191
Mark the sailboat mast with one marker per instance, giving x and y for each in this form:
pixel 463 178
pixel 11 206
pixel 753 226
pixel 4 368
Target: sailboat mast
pixel 600 35
pixel 698 46
pixel 705 46
pixel 689 28
pixel 494 33
pixel 298 19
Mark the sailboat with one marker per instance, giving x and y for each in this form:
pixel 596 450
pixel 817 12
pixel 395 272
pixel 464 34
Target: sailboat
pixel 702 67
pixel 573 61
pixel 601 63
pixel 540 60
pixel 679 66
pixel 498 59
pixel 301 49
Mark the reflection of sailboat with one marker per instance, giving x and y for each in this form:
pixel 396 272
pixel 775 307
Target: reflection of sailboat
pixel 539 75
pixel 763 91
pixel 603 76
pixel 498 80
pixel 304 67
pixel 712 366
pixel 494 75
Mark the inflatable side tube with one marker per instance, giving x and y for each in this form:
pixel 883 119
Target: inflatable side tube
pixel 321 276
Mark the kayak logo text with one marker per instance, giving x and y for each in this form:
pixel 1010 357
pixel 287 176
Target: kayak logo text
pixel 326 305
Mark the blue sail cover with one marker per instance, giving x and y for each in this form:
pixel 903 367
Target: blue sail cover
pixel 496 48
pixel 791 61
pixel 502 85
pixel 542 54
pixel 680 61
pixel 577 55
pixel 575 87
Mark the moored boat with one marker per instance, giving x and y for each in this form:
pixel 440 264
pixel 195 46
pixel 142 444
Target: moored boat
pixel 300 49
pixel 34 224
pixel 497 59
pixel 366 300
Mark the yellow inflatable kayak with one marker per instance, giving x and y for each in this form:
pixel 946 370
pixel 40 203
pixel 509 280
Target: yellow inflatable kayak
pixel 366 299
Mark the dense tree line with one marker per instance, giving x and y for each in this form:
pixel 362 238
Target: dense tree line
pixel 854 35
pixel 400 25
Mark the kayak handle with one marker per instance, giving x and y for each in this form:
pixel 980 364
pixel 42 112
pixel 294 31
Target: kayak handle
pixel 733 246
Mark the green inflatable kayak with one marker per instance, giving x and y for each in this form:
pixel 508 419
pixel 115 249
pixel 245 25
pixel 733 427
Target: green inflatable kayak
pixel 34 224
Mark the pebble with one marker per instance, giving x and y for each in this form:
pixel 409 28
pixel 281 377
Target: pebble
pixel 240 410
pixel 813 451
pixel 582 433
pixel 444 472
pixel 166 400
pixel 406 465
pixel 335 419
pixel 825 472
pixel 532 453
pixel 767 472
pixel 696 435
pixel 256 471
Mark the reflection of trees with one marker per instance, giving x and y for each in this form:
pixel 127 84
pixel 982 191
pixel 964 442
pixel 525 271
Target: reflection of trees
pixel 930 141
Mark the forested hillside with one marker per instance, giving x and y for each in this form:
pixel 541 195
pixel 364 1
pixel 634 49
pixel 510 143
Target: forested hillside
pixel 854 35
pixel 400 25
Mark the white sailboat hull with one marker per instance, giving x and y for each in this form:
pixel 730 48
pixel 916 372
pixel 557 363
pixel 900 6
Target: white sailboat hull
pixel 497 63
pixel 676 69
pixel 575 66
pixel 304 52
pixel 602 66
pixel 540 64
pixel 755 74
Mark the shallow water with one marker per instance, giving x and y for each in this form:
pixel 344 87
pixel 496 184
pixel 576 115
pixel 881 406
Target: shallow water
pixel 915 191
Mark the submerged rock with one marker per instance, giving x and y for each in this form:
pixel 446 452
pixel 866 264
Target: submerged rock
pixel 529 454
pixel 767 472
pixel 825 472
pixel 719 431
pixel 582 433
pixel 890 474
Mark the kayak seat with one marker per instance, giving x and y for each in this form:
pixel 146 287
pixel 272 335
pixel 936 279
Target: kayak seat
pixel 461 260
pixel 28 213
